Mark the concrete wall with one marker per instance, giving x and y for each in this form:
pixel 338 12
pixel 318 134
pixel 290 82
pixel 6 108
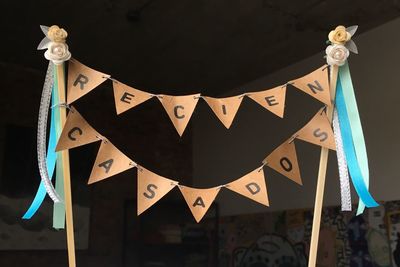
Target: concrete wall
pixel 221 155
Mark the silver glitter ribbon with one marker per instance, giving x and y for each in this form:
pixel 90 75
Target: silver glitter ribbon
pixel 41 133
pixel 345 193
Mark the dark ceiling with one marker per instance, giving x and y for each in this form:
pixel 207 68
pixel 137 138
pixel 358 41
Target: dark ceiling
pixel 184 46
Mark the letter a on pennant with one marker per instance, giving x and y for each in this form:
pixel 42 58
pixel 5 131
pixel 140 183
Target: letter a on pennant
pixel 199 200
pixel 151 188
pixel 284 160
pixel 225 108
pixel 272 99
pixel 318 131
pixel 252 186
pixel 76 132
pixel 109 161
pixel 316 84
pixel 82 80
pixel 180 109
pixel 126 97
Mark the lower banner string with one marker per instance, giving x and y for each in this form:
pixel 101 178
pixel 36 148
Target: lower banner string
pixel 349 149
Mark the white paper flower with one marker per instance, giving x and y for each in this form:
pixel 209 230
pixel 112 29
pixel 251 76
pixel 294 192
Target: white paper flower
pixel 57 52
pixel 336 54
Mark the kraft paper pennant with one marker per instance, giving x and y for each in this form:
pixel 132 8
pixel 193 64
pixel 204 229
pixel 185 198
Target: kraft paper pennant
pixel 316 84
pixel 199 200
pixel 225 108
pixel 109 161
pixel 179 109
pixel 252 186
pixel 126 97
pixel 318 131
pixel 272 99
pixel 151 188
pixel 82 80
pixel 284 160
pixel 76 132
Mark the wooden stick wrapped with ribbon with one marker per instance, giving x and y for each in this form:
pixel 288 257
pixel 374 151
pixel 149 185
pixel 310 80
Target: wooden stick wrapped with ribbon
pixel 349 138
pixel 54 91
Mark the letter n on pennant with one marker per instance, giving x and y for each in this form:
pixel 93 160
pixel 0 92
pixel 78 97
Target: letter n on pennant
pixel 316 84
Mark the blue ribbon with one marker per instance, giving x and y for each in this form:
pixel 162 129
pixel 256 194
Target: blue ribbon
pixel 51 163
pixel 355 126
pixel 349 145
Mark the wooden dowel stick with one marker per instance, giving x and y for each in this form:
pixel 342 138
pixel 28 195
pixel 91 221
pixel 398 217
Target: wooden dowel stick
pixel 323 162
pixel 66 172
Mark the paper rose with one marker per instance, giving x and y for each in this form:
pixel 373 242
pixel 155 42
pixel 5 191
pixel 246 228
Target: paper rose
pixel 57 34
pixel 336 54
pixel 339 35
pixel 57 52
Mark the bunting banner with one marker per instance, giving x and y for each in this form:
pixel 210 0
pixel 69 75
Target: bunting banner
pixel 199 200
pixel 82 80
pixel 318 131
pixel 316 84
pixel 271 99
pixel 225 108
pixel 126 97
pixel 179 109
pixel 109 161
pixel 151 188
pixel 252 186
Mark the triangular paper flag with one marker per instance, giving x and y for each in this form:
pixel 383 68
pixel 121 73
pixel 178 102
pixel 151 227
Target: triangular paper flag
pixel 126 97
pixel 76 132
pixel 318 131
pixel 252 185
pixel 151 188
pixel 82 80
pixel 109 161
pixel 316 84
pixel 199 200
pixel 284 160
pixel 225 108
pixel 272 99
pixel 179 109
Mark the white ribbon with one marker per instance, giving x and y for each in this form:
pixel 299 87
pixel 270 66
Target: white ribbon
pixel 345 193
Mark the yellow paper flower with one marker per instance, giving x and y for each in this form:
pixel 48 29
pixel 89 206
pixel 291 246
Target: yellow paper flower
pixel 339 35
pixel 57 34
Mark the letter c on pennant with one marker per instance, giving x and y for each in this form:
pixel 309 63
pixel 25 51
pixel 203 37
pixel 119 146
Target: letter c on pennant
pixel 176 112
pixel 75 129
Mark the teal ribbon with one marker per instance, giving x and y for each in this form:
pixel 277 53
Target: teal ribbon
pixel 353 138
pixel 355 126
pixel 51 163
